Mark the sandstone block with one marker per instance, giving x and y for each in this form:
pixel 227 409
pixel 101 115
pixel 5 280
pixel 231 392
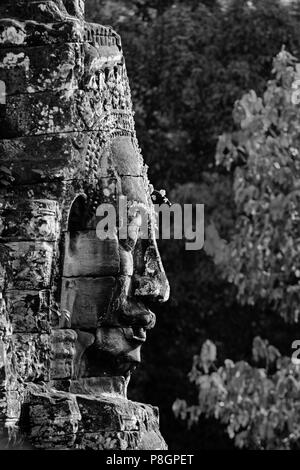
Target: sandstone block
pixel 86 299
pixel 32 356
pixel 87 255
pixel 29 311
pixel 29 220
pixel 31 264
pixel 62 353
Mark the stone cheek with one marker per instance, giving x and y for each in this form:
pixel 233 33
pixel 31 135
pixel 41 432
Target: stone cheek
pixel 89 295
pixel 87 255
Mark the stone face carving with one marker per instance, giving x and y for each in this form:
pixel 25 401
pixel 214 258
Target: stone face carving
pixel 74 309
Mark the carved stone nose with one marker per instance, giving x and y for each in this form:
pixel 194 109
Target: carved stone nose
pixel 154 289
pixel 137 315
pixel 153 284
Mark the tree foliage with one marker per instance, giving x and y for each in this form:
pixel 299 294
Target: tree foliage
pixel 259 406
pixel 263 257
pixel 188 62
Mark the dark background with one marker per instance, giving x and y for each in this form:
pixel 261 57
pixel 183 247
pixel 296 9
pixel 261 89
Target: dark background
pixel 188 62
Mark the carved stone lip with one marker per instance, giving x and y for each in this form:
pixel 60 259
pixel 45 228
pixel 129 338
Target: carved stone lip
pixel 135 334
pixel 137 315
pixel 140 334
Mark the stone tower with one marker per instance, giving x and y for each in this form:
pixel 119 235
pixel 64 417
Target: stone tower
pixel 74 309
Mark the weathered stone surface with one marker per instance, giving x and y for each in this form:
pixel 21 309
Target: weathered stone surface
pixel 39 69
pixel 31 264
pixel 29 220
pixel 53 190
pixel 75 319
pixel 16 30
pixel 38 150
pixel 123 147
pixel 62 353
pixel 87 255
pixel 99 386
pixel 40 113
pixel 14 33
pixel 101 35
pixel 47 68
pixel 32 356
pixel 118 424
pixel 59 112
pixel 134 188
pixel 25 8
pixel 88 295
pixel 10 413
pixel 53 417
pixel 75 8
pixel 29 159
pixel 29 311
pixel 62 420
pixel 113 414
pixel 128 440
pixel 103 94
pixel 10 387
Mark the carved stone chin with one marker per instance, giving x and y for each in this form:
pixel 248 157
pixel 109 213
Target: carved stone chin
pixel 74 311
